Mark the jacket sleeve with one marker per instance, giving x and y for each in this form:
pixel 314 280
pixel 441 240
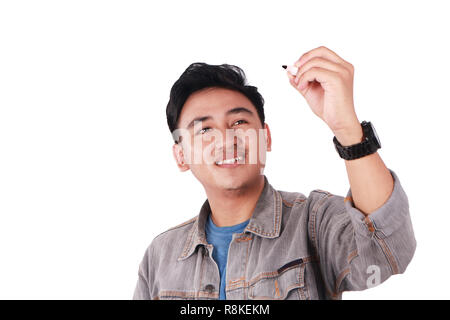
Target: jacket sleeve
pixel 356 251
pixel 142 291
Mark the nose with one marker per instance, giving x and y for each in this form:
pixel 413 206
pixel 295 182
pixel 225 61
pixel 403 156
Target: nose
pixel 231 145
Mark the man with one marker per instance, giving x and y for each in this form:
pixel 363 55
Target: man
pixel 251 241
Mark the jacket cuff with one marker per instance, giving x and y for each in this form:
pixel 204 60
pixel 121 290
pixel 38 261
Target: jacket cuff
pixel 384 220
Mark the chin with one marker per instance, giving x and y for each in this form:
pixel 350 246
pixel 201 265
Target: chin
pixel 214 178
pixel 231 184
pixel 234 180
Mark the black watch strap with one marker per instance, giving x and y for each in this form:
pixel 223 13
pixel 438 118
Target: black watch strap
pixel 369 145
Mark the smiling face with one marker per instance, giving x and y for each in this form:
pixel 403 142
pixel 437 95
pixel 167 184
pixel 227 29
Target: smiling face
pixel 223 141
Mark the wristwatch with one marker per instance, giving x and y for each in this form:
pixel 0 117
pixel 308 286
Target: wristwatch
pixel 370 144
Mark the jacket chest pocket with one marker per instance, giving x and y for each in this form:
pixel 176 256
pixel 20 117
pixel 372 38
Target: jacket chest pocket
pixel 287 282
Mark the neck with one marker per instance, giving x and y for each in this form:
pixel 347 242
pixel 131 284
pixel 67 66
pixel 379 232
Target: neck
pixel 231 207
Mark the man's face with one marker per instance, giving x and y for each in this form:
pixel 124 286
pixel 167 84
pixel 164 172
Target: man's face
pixel 219 125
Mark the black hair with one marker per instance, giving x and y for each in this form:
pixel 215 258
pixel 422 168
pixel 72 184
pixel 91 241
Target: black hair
pixel 201 75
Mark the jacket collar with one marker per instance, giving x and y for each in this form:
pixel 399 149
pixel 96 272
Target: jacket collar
pixel 265 221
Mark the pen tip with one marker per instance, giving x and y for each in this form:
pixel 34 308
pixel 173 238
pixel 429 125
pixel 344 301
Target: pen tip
pixel 284 66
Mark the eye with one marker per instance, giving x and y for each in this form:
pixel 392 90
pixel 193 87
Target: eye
pixel 243 121
pixel 203 130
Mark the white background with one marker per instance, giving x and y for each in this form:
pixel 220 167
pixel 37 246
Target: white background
pixel 87 177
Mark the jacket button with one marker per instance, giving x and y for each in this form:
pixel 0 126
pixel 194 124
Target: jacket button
pixel 209 288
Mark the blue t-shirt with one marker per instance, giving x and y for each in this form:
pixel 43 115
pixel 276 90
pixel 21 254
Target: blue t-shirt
pixel 220 238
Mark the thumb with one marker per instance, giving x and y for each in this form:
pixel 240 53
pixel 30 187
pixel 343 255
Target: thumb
pixel 291 79
pixel 292 82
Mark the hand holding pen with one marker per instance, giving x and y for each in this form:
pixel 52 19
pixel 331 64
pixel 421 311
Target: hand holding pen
pixel 326 82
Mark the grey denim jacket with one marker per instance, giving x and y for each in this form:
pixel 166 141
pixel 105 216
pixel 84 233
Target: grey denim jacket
pixel 294 247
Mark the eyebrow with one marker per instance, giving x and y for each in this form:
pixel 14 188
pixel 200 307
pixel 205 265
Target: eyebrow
pixel 231 111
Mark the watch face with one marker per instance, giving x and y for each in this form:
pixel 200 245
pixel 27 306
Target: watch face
pixel 375 134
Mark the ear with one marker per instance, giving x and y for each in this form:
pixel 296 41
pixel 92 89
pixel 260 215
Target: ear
pixel 268 137
pixel 178 154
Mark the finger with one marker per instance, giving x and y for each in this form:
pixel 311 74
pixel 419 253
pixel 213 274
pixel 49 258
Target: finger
pixel 321 63
pixel 324 76
pixel 291 78
pixel 325 53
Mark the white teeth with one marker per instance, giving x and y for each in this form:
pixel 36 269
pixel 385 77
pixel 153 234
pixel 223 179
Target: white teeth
pixel 229 161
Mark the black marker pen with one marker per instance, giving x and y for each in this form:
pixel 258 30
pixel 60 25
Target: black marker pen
pixel 291 69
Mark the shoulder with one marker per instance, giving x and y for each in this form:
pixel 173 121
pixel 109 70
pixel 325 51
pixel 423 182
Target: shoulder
pixel 291 198
pixel 320 199
pixel 167 244
pixel 317 200
pixel 176 231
